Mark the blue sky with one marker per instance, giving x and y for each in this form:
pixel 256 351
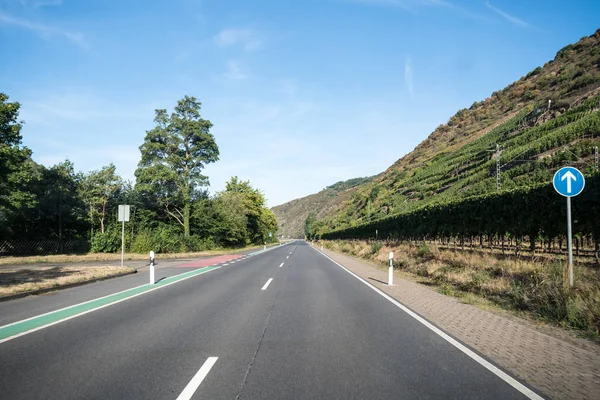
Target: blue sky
pixel 302 93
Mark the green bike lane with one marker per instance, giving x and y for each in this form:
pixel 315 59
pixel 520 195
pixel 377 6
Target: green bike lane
pixel 150 344
pixel 27 315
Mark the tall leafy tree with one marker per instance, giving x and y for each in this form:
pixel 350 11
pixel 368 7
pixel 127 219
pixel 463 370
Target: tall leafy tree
pixel 97 189
pixel 62 213
pixel 260 219
pixel 174 154
pixel 17 170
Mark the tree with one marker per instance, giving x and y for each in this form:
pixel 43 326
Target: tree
pixel 308 225
pixel 97 189
pixel 260 220
pixel 173 156
pixel 17 170
pixel 233 223
pixel 60 208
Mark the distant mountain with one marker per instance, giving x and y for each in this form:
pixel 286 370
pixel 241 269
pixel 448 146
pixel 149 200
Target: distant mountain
pixel 292 215
pixel 549 117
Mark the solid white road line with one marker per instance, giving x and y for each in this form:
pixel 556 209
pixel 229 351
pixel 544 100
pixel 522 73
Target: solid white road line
pixel 191 387
pixel 267 284
pixel 281 265
pixel 476 357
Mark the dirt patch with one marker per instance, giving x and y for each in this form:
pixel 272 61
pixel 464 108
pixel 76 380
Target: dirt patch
pixel 27 280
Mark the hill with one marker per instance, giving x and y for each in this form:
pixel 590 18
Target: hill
pixel 292 215
pixel 549 117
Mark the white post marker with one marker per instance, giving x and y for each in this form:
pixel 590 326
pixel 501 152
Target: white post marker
pixel 152 280
pixel 123 217
pixel 391 270
pixel 569 182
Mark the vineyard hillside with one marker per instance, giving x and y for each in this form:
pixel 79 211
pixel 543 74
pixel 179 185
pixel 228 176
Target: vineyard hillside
pixel 514 139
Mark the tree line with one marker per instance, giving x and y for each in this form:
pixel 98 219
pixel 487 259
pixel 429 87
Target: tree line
pixel 172 209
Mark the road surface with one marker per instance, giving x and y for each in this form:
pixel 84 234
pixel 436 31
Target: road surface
pixel 285 324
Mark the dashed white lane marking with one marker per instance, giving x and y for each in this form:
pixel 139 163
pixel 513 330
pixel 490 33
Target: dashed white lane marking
pixel 191 387
pixel 267 284
pixel 287 257
pixel 281 265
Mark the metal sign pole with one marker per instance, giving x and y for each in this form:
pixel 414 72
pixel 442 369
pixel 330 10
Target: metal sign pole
pixel 570 241
pixel 569 182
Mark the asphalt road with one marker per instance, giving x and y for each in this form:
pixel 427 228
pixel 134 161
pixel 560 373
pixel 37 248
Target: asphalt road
pixel 250 330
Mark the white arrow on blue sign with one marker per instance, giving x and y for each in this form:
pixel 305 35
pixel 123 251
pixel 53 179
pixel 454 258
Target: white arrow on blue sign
pixel 568 181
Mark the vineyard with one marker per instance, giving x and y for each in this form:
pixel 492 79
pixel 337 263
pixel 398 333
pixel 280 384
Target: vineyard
pixel 532 219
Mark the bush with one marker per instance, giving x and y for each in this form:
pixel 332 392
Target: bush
pixel 107 242
pixel 144 242
pixel 425 252
pixel 375 247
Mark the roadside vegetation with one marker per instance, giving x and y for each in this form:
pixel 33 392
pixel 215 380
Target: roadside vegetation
pixel 56 210
pixel 528 287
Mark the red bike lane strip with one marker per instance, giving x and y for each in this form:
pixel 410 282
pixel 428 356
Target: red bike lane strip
pixel 210 261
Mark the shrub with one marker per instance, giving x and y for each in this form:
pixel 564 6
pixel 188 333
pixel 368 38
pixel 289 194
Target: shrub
pixel 425 252
pixel 107 242
pixel 144 242
pixel 375 247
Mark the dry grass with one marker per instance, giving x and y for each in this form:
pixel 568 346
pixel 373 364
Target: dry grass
pixel 93 257
pixel 26 280
pixel 528 287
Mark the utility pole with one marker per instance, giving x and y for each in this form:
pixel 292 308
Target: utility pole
pixel 596 158
pixel 498 152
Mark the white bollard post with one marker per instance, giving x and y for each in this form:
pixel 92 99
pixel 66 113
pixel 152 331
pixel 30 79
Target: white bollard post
pixel 265 247
pixel 391 270
pixel 321 247
pixel 152 280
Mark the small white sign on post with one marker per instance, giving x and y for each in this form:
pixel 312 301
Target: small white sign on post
pixel 391 270
pixel 123 217
pixel 124 213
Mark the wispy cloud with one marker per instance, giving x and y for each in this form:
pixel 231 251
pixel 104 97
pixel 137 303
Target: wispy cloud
pixel 234 72
pixel 413 5
pixel 43 30
pixel 244 37
pixel 408 76
pixel 41 3
pixel 507 16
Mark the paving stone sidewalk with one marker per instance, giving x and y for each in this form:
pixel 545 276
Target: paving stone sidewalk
pixel 556 368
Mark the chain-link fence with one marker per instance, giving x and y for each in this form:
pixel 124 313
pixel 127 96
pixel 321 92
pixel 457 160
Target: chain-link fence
pixel 42 247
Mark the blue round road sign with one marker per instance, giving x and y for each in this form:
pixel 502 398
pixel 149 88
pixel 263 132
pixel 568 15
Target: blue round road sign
pixel 568 181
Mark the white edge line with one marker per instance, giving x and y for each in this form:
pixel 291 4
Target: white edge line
pixel 482 361
pixel 94 309
pixel 280 265
pixel 267 284
pixel 191 387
